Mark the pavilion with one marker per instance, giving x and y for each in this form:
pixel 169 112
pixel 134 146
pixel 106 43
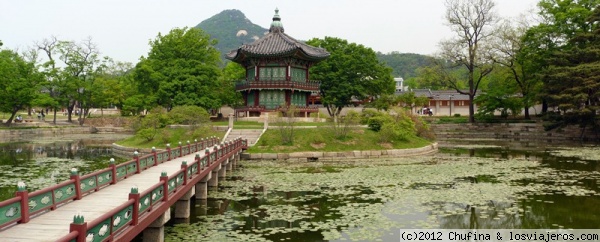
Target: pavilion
pixel 277 73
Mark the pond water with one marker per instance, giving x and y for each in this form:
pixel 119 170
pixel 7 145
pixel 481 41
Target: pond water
pixel 461 187
pixel 43 161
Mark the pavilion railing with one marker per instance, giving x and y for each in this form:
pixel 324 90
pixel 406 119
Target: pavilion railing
pixel 308 85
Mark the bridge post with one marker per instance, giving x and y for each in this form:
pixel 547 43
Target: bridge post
pixel 202 188
pixel 182 206
pixel 135 195
pixel 180 149
pixel 207 155
pixel 80 226
pixel 113 168
pixel 77 181
pixel 165 179
pixel 24 194
pixel 155 156
pixel 223 171
pixel 189 147
pixel 155 232
pixel 229 166
pixel 197 161
pixel 184 166
pixel 168 152
pixel 214 180
pixel 136 157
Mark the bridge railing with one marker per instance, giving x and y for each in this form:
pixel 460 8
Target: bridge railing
pixel 138 205
pixel 25 205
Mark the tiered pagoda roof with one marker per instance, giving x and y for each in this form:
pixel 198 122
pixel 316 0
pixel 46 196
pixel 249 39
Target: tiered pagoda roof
pixel 277 44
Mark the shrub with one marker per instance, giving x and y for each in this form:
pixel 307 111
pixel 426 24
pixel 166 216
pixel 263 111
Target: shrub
pixel 318 139
pixel 147 134
pixel 375 123
pixel 188 115
pixel 367 114
pixel 457 115
pixel 165 136
pixel 422 128
pixel 201 132
pixel 345 124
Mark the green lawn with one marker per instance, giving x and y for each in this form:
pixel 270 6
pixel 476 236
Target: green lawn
pixel 323 139
pixel 172 136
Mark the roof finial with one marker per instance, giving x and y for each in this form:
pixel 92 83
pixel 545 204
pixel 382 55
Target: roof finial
pixel 276 26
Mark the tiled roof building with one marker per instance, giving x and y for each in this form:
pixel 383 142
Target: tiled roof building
pixel 277 72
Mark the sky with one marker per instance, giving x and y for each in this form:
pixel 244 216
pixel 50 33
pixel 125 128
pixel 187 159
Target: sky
pixel 122 28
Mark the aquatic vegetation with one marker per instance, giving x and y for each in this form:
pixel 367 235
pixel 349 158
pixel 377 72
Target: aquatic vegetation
pixel 584 153
pixel 370 200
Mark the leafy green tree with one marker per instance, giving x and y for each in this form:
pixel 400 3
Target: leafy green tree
pixel 405 64
pixel 574 77
pixel 232 72
pixel 472 22
pixel 429 77
pixel 509 52
pixel 182 68
pixel 500 94
pixel 409 100
pixel 108 87
pixel 351 71
pixel 19 81
pixel 560 21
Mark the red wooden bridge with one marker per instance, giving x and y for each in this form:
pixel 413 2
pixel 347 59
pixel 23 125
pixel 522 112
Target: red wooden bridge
pixel 121 201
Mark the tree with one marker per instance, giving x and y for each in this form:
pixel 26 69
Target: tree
pixel 82 63
pixel 409 100
pixel 428 77
pixel 509 53
pixel 108 87
pixel 472 22
pixel 351 71
pixel 560 20
pixel 182 68
pixel 500 94
pixel 51 73
pixel 19 81
pixel 574 77
pixel 231 73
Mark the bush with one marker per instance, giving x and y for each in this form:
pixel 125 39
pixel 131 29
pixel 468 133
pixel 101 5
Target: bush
pixel 147 134
pixel 165 136
pixel 318 139
pixel 375 123
pixel 188 115
pixel 457 115
pixel 201 132
pixel 422 128
pixel 345 124
pixel 367 114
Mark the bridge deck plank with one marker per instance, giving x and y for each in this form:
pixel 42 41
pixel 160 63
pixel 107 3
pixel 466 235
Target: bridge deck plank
pixel 53 225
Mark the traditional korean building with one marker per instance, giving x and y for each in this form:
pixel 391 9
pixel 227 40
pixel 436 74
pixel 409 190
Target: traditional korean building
pixel 277 72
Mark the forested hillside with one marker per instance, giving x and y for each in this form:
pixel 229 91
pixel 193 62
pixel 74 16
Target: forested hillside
pixel 232 29
pixel 404 65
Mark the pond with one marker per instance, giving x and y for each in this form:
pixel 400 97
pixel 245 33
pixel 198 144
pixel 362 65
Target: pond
pixel 461 187
pixel 44 161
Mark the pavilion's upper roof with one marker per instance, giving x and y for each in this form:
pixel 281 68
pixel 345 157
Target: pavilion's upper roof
pixel 277 44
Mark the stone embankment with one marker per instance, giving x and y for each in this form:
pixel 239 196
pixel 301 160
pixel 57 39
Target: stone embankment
pixel 529 132
pixel 25 134
pixel 332 156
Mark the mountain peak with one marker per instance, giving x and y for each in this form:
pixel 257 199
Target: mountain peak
pixel 231 29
